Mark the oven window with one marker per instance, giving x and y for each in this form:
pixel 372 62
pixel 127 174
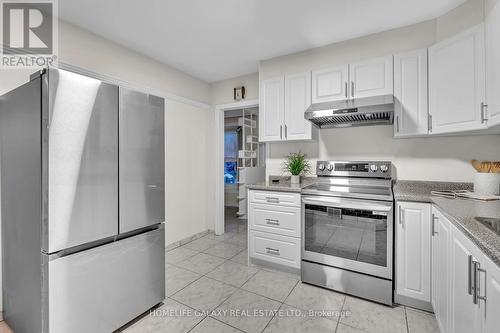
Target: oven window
pixel 346 233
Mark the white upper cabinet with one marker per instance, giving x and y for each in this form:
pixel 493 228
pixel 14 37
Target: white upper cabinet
pixel 272 109
pixel 297 100
pixel 457 83
pixel 410 92
pixel 283 101
pixel 492 27
pixel 372 77
pixel 330 84
pixel 413 251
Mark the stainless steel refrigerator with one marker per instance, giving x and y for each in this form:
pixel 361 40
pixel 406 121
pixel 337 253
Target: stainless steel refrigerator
pixel 82 181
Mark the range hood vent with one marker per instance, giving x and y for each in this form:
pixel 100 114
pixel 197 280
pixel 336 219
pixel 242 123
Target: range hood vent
pixel 359 112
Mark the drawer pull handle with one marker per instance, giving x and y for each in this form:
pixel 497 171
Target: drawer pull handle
pixel 273 199
pixel 270 250
pixel 272 221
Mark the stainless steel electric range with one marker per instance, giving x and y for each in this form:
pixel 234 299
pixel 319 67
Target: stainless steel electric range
pixel 347 229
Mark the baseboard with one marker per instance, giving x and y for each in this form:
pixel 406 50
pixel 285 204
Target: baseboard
pixel 274 266
pixel 413 303
pixel 186 240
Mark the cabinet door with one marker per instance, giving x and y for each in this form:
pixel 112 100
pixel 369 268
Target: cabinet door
pixel 457 82
pixel 413 250
pixel 272 109
pixel 434 262
pixel 464 313
pixel 372 77
pixel 330 84
pixel 142 160
pixel 491 319
pixel 410 92
pixel 492 25
pixel 442 228
pixel 297 100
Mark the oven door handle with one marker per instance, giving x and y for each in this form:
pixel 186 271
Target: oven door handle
pixel 349 204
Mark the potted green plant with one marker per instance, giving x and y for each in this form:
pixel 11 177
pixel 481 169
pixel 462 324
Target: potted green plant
pixel 297 165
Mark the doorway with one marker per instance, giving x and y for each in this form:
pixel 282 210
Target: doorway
pixel 240 160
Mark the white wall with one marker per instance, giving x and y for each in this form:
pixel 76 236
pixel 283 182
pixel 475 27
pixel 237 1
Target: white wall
pixel 444 159
pixel 186 124
pixel 440 159
pixel 186 175
pixel 222 91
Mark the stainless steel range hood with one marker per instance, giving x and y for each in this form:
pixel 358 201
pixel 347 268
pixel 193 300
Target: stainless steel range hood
pixel 377 110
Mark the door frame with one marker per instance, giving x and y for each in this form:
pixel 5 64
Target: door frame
pixel 219 157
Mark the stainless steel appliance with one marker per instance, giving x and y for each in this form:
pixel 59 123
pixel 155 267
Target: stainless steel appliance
pixel 82 165
pixel 378 110
pixel 347 229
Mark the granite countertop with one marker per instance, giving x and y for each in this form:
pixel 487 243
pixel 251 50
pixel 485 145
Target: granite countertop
pixel 283 184
pixel 420 191
pixel 461 212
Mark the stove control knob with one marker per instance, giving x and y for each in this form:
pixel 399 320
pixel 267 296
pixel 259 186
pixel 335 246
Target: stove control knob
pixel 384 168
pixel 321 166
pixel 373 168
pixel 330 167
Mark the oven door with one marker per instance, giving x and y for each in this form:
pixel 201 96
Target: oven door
pixel 351 234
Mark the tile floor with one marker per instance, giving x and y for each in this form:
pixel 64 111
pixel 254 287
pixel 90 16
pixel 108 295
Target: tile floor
pixel 211 288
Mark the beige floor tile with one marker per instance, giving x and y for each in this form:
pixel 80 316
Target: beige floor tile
pixel 347 329
pixel 172 317
pixel 240 239
pixel 178 278
pixel 293 320
pixel 204 294
pixel 201 244
pixel 233 273
pixel 307 297
pixel 201 263
pixel 224 237
pixel 247 311
pixel 224 250
pixel 421 322
pixel 4 328
pixel 373 317
pixel 179 254
pixel 241 258
pixel 211 325
pixel 271 284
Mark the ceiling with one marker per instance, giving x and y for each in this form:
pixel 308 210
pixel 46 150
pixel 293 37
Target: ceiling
pixel 219 39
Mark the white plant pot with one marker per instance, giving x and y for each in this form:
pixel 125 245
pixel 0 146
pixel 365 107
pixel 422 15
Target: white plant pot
pixel 295 180
pixel 487 183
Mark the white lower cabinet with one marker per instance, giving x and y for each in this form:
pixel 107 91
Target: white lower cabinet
pixel 464 314
pixel 413 252
pixel 491 312
pixel 274 236
pixel 465 283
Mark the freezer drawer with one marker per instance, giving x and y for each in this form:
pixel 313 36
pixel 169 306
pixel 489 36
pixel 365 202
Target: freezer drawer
pixel 142 160
pixel 101 289
pixel 80 160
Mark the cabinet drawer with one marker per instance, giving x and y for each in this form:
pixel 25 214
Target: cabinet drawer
pixel 275 248
pixel 277 198
pixel 275 219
